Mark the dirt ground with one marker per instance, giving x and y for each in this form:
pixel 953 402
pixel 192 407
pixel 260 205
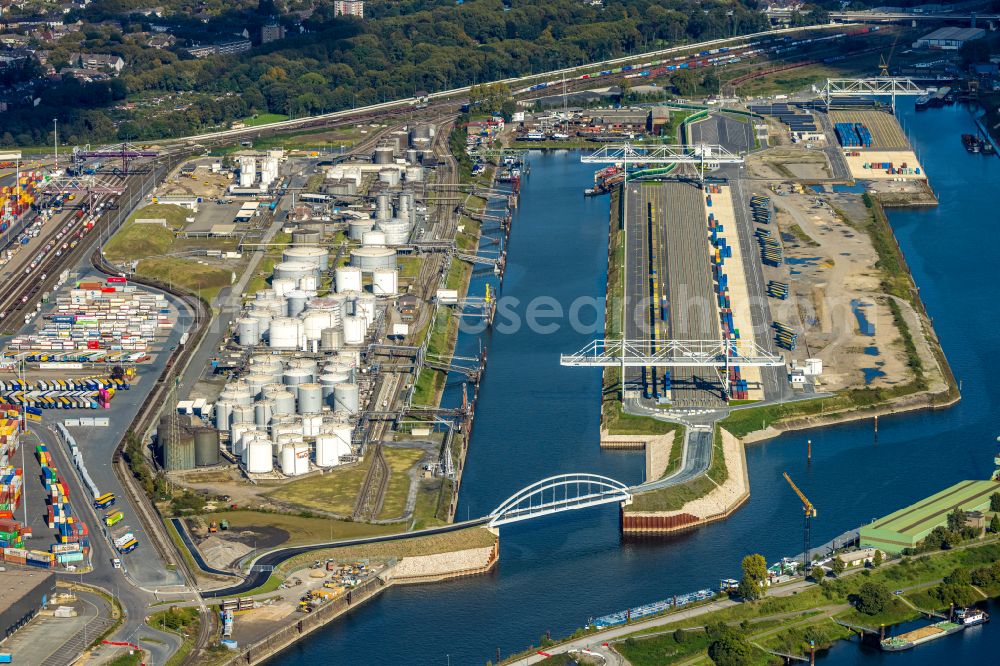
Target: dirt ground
pixel 830 267
pixel 199 183
pixel 797 162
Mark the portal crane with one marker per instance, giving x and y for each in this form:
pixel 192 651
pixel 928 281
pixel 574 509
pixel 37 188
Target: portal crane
pixel 809 512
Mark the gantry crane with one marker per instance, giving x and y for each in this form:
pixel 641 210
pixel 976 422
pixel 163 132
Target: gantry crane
pixel 809 512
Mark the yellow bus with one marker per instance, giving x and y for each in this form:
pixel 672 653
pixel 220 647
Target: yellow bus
pixel 104 501
pixel 112 518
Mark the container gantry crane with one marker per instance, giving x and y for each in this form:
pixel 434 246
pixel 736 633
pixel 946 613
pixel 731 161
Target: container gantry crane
pixel 809 512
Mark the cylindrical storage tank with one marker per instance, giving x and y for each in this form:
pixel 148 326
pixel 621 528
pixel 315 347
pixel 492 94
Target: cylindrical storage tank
pixel 342 433
pixel 407 205
pixel 223 414
pixel 314 321
pixel 354 330
pixel 271 390
pixel 309 283
pixel 383 155
pixel 288 460
pixel 263 318
pixel 248 438
pixel 411 156
pixel 376 238
pixel 365 307
pixel 396 230
pixel 348 278
pixel 383 206
pixel 256 381
pixel 262 412
pixel 310 398
pixel 370 258
pixel 389 176
pixel 414 174
pixel 264 294
pixel 335 374
pixel 304 237
pixel 296 376
pixel 327 451
pixel 311 424
pixel 294 270
pixel 356 228
pixel 301 459
pixel 317 256
pixel 346 397
pixel 295 302
pixel 331 338
pixel 285 333
pixel 284 403
pixel 385 282
pixel 259 457
pixel 237 431
pixel 282 286
pixel 243 414
pixel 206 447
pixel 178 454
pixel 248 331
pixel 311 365
pixel 265 363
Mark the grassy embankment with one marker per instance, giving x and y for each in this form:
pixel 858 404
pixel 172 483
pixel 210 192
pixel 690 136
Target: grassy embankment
pixel 301 529
pixel 185 622
pixel 336 491
pixel 153 244
pixel 265 268
pixel 788 623
pixel 444 333
pixel 674 497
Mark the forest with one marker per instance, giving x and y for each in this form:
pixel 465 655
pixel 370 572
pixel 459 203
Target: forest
pixel 401 48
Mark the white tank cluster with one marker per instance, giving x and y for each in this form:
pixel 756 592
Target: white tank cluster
pixel 248 170
pixel 287 414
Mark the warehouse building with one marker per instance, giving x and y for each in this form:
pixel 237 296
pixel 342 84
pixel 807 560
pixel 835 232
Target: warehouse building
pixel 22 595
pixel 949 39
pixel 907 527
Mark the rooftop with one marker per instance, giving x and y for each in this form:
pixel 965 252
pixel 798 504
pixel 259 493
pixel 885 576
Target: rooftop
pixel 952 32
pixel 16 584
pixel 933 511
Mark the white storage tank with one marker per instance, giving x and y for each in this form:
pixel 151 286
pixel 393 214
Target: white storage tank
pixel 282 286
pixel 348 278
pixel 370 258
pixel 294 270
pixel 256 381
pixel 288 460
pixel 301 459
pixel 263 318
pixel 397 231
pixel 303 363
pixel 415 174
pixel 310 398
pixel 309 283
pixel 383 206
pixel 284 403
pixel 285 333
pixel 314 321
pixel 385 282
pixel 259 457
pixel 376 238
pixel 243 414
pixel 271 390
pixel 389 176
pixel 263 411
pixel 346 397
pixel 364 306
pixel 357 228
pixel 317 256
pixel 311 424
pixel 331 338
pixel 294 376
pixel 296 301
pixel 237 432
pixel 342 433
pixel 329 448
pixel 248 331
pixel 354 330
pixel 223 414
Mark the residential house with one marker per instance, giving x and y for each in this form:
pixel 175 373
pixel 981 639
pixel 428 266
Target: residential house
pixel 349 8
pixel 100 62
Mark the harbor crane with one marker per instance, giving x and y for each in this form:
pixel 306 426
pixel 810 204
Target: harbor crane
pixel 809 511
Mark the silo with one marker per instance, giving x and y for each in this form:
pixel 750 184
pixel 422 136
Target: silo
pixel 304 237
pixel 331 338
pixel 310 398
pixel 383 206
pixel 223 414
pixel 385 282
pixel 262 412
pixel 331 379
pixel 407 205
pixel 309 283
pixel 389 176
pixel 317 256
pixel 354 330
pixel 397 232
pixel 259 457
pixel 242 414
pixel 373 238
pixel 345 397
pixel 355 228
pixel 248 331
pixel 265 362
pixel 383 155
pixel 370 258
pixel 286 333
pixel 294 270
pixel 348 278
pixel 179 454
pixel 206 447
pixel 281 287
pixel 364 306
pixel 296 301
pixel 284 403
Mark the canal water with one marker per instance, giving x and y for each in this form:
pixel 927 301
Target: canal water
pixel 536 419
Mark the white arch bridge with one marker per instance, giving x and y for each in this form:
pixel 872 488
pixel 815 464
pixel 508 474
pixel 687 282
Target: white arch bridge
pixel 564 492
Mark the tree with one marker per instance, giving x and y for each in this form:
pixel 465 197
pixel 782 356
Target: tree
pixel 730 648
pixel 873 598
pixel 754 576
pixel 995 502
pixel 995 524
pixel 959 595
pixel 877 558
pixel 956 519
pixel 837 566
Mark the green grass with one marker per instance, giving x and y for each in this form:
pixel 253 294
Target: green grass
pixel 444 332
pixel 896 612
pixel 430 383
pixel 663 649
pixel 458 276
pixel 675 497
pixel 796 640
pixel 400 462
pixel 802 236
pixel 409 267
pixel 184 622
pixel 263 119
pixel 301 529
pixel 191 275
pixel 430 496
pixel 468 238
pixel 133 659
pixel 676 452
pixel 136 241
pixel 618 422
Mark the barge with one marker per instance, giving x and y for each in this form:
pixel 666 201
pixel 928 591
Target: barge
pixel 964 618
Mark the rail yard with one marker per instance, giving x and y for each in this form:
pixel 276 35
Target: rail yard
pixel 261 343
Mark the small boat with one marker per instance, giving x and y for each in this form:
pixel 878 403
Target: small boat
pixel 970 617
pixel 923 102
pixel 971 143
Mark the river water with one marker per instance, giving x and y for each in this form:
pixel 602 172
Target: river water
pixel 536 419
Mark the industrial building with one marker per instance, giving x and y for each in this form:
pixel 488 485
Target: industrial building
pixel 907 527
pixel 22 595
pixel 949 38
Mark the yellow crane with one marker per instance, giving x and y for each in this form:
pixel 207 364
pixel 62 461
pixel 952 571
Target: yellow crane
pixel 809 512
